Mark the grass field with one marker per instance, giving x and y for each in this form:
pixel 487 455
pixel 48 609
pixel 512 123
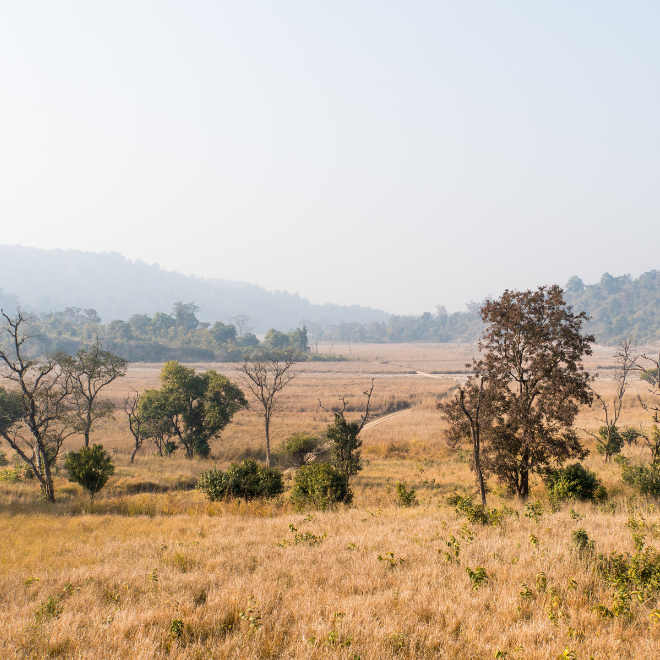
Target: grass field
pixel 156 571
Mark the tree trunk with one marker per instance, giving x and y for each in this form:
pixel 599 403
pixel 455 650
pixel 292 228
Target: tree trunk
pixel 47 484
pixel 476 458
pixel 133 454
pixel 88 426
pixel 267 425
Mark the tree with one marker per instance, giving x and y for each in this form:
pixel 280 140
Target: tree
pixel 35 415
pixel 197 407
pixel 241 323
pixel 345 447
pixel 266 372
pixel 533 351
pixel 184 315
pixel 89 371
pixel 470 415
pixel 609 439
pixel 223 333
pixel 90 467
pixel 135 421
pixel 155 414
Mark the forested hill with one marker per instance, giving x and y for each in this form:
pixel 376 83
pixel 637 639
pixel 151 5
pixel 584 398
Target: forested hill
pixel 619 306
pixel 117 288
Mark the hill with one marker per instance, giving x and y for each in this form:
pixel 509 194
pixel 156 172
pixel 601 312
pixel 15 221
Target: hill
pixel 117 288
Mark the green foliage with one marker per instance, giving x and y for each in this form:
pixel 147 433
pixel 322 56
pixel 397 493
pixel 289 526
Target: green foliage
pixel 345 445
pixel 478 577
pixel 478 514
pixel 90 467
pixel 389 560
pixel 176 628
pixel 574 482
pixel 645 479
pixel 300 449
pixel 246 479
pixel 193 407
pixel 51 608
pixel 306 538
pixel 580 541
pixel 320 485
pixel 406 495
pixel 611 441
pixel 3 459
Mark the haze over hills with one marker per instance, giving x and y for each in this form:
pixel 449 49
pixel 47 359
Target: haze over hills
pixel 117 288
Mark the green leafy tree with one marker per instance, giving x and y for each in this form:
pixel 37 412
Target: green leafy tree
pixel 199 406
pixel 610 441
pixel 184 315
pixel 533 349
pixel 345 440
pixel 276 339
pixel 89 371
pixel 154 412
pixel 90 467
pixel 223 334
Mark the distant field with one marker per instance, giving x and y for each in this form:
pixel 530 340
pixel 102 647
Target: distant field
pixel 154 551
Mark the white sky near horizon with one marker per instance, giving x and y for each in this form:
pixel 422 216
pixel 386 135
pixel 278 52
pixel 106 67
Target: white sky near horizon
pixel 389 154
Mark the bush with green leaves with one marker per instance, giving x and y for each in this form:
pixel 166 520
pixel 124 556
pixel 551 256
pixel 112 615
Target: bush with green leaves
pixel 574 482
pixel 320 486
pixel 246 479
pixel 301 449
pixel 90 467
pixel 645 479
pixel 478 514
pixel 406 495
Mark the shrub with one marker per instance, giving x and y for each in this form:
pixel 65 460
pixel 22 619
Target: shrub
pixel 574 482
pixel 3 459
pixel 320 485
pixel 478 514
pixel 91 467
pixel 406 495
pixel 301 449
pixel 246 479
pixel 645 479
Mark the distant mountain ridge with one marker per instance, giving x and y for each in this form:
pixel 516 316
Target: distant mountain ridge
pixel 117 288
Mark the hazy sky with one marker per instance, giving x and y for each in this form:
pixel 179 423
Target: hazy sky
pixel 391 154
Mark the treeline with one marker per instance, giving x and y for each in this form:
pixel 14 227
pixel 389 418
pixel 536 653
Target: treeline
pixel 178 335
pixel 619 307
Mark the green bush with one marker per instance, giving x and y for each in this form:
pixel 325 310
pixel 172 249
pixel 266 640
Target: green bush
pixel 246 479
pixel 91 467
pixel 406 495
pixel 3 459
pixel 320 485
pixel 478 514
pixel 301 449
pixel 645 479
pixel 574 482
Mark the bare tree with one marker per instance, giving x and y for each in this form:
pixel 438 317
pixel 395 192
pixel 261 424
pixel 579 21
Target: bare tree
pixel 135 421
pixel 35 414
pixel 609 438
pixel 315 332
pixel 469 414
pixel 89 371
pixel 265 373
pixel 241 323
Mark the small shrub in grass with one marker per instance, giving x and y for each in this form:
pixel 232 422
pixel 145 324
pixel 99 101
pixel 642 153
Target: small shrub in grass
pixel 406 495
pixel 477 514
pixel 574 482
pixel 246 479
pixel 3 459
pixel 320 485
pixel 645 479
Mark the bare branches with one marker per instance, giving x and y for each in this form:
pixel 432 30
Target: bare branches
pixel 265 373
pixel 135 419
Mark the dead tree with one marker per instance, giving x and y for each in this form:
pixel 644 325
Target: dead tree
pixel 135 420
pixel 35 414
pixel 609 438
pixel 266 372
pixel 469 414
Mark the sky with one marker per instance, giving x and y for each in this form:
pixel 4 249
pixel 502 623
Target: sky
pixel 397 155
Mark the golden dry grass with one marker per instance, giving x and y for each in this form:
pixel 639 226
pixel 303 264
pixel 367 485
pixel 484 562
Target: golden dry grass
pixel 153 551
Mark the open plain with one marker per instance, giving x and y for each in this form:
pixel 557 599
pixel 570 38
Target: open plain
pixel 154 570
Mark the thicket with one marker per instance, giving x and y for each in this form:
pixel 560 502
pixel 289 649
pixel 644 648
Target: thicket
pixel 320 486
pixel 247 480
pixel 574 482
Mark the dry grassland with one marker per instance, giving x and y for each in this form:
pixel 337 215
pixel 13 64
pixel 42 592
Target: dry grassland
pixel 154 552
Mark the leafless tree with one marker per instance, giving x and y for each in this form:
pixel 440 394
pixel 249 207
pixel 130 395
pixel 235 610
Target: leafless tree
pixel 135 420
pixel 609 439
pixel 35 414
pixel 241 323
pixel 469 414
pixel 89 371
pixel 265 373
pixel 315 331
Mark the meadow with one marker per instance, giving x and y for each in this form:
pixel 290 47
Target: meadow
pixel 154 570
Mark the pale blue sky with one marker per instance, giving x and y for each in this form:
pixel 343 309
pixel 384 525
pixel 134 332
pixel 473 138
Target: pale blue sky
pixel 391 154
